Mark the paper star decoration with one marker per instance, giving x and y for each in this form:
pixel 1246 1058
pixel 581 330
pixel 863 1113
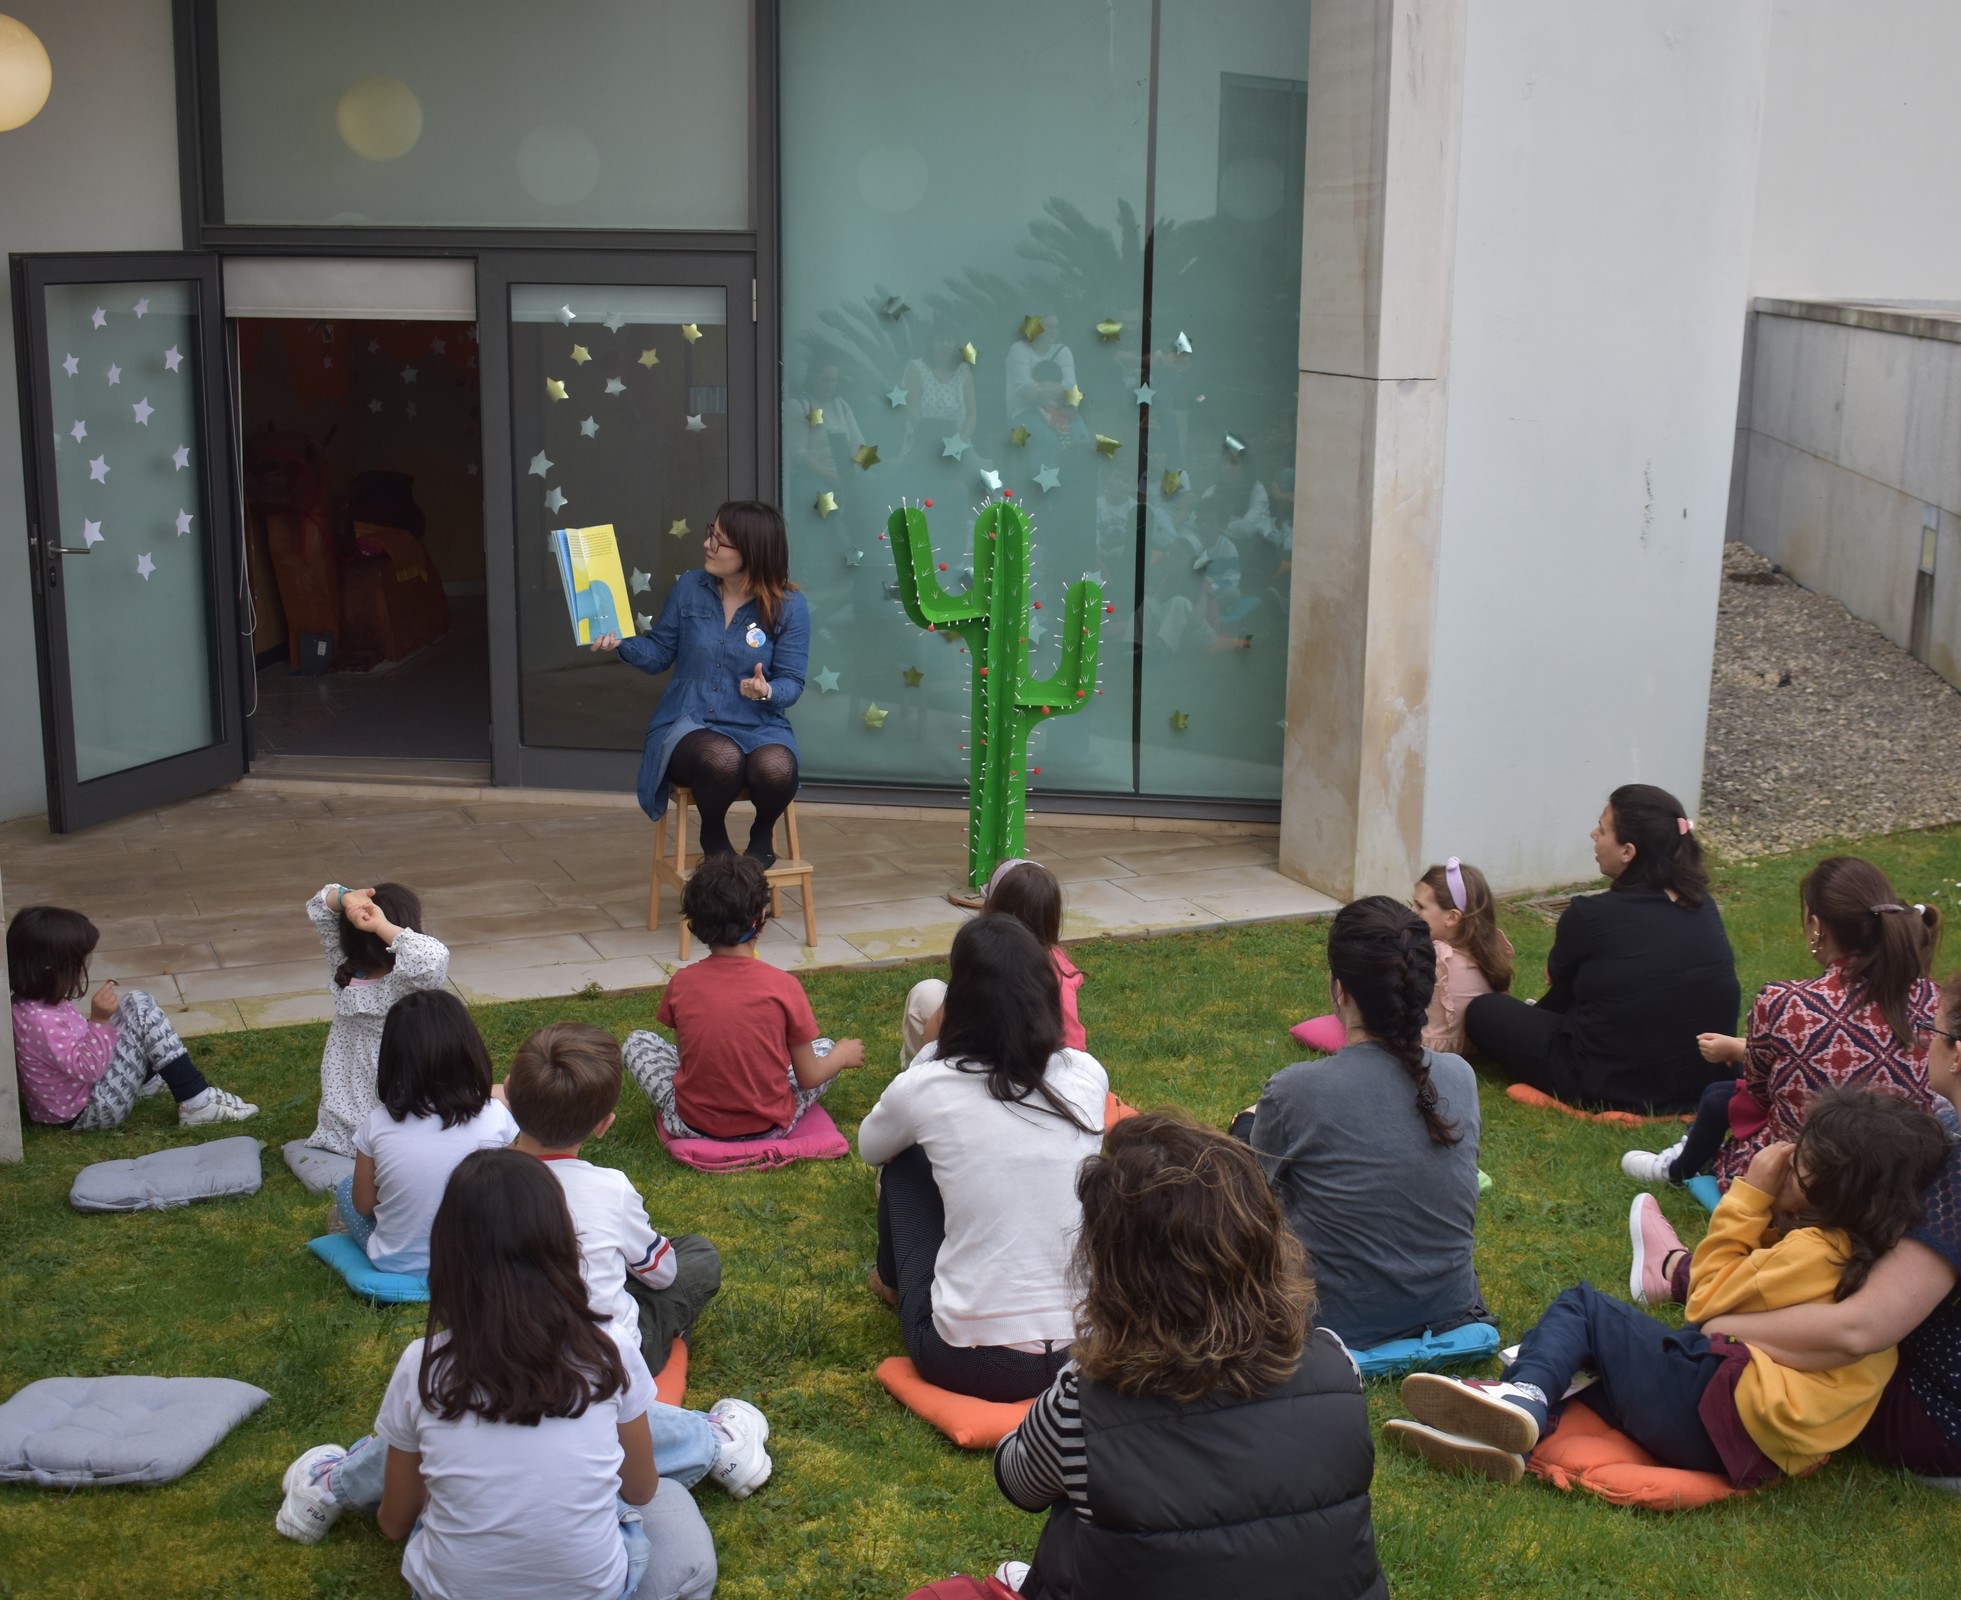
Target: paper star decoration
pixel 580 354
pixel 541 465
pixel 70 365
pixel 696 425
pixel 1145 394
pixel 589 428
pixel 1107 446
pixel 854 558
pixel 555 387
pixel 80 431
pixel 374 347
pixel 1180 721
pixel 874 717
pixel 99 318
pixel 183 522
pixel 171 359
pixel 180 458
pixel 953 445
pixel 438 346
pixel 411 408
pixel 690 331
pixel 144 567
pixel 555 501
pixel 1184 345
pixel 640 582
pixel 1235 447
pixel 1020 436
pixel 408 374
pixel 1049 478
pixel 143 411
pixel 814 416
pixel 912 675
pixel 991 479
pixel 614 322
pixel 1072 396
pixel 1109 329
pixel 649 358
pixel 614 386
pixel 866 455
pixel 1035 630
pixel 375 407
pixel 968 353
pixel 827 502
pixel 895 307
pixel 91 533
pixel 678 528
pixel 827 682
pixel 1173 481
pixel 1031 328
pixel 115 373
pixel 141 308
pixel 895 396
pixel 643 622
pixel 567 315
pixel 99 470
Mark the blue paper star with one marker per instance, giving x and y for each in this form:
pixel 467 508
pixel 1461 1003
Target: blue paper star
pixel 953 445
pixel 1049 478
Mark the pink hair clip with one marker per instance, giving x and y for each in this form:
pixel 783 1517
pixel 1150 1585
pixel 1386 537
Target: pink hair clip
pixel 1683 825
pixel 1454 876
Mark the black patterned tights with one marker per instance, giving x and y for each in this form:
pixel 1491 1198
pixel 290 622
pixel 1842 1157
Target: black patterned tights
pixel 714 767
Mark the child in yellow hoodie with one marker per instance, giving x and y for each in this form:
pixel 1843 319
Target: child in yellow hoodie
pixel 1853 1183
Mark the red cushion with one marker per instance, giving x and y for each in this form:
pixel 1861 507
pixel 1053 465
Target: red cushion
pixel 671 1382
pixel 815 1138
pixel 1526 1095
pixel 972 1424
pixel 1584 1453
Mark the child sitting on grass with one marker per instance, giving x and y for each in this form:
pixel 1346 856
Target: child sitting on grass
pixel 86 1074
pixel 563 1086
pixel 1854 1179
pixel 374 956
pixel 749 1061
pixel 436 1107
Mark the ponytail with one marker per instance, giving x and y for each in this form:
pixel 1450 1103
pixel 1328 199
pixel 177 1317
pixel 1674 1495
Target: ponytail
pixel 1666 855
pixel 1885 946
pixel 1382 954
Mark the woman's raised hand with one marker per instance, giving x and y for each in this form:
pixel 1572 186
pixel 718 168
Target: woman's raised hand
pixel 606 641
pixel 755 686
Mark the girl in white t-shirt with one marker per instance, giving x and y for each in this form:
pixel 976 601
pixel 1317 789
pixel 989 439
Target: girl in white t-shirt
pixel 436 1107
pixel 512 1451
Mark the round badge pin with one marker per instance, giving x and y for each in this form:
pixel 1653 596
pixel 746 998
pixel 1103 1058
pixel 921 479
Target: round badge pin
pixel 754 637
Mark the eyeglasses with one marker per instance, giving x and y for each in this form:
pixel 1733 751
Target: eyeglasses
pixel 1931 1032
pixel 716 539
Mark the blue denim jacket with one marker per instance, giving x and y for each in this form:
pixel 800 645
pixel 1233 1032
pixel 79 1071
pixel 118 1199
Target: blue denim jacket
pixel 709 662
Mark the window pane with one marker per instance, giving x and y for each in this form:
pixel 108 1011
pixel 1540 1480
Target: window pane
pixel 992 171
pixel 129 462
pixel 619 415
pixel 486 113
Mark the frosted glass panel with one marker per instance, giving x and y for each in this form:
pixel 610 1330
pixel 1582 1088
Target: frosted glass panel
pixel 129 465
pixel 487 113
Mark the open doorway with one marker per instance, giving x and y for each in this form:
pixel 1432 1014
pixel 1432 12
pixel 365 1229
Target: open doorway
pixel 363 500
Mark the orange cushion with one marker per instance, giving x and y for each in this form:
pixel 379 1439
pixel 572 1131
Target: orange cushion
pixel 1114 1111
pixel 671 1382
pixel 1584 1453
pixel 972 1424
pixel 1526 1095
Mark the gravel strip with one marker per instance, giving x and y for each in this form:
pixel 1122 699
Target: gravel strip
pixel 1819 726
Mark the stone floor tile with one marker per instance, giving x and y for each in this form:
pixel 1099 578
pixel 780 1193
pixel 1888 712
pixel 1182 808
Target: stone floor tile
pixel 663 945
pixel 1194 881
pixel 467 962
pixel 279 1011
pixel 124 933
pixel 162 987
pixel 546 982
pixel 483 898
pixel 125 966
pixel 1162 852
pixel 211 1016
pixel 793 956
pixel 461 932
pixel 1280 900
pixel 296 940
pixel 254 983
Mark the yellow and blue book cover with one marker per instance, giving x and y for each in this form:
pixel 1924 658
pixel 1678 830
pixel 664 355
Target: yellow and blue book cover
pixel 595 583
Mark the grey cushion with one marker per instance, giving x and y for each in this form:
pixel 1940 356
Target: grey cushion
pixel 169 1177
pixel 63 1432
pixel 318 1169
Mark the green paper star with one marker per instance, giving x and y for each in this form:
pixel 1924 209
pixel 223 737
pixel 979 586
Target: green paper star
pixel 1174 480
pixel 649 358
pixel 678 528
pixel 912 676
pixel 580 354
pixel 968 353
pixel 1031 328
pixel 866 455
pixel 1072 396
pixel 1109 329
pixel 690 332
pixel 815 416
pixel 1107 446
pixel 1020 436
pixel 826 504
pixel 1180 722
pixel 555 388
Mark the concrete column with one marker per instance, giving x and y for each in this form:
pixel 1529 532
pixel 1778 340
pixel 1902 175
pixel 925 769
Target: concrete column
pixel 1385 81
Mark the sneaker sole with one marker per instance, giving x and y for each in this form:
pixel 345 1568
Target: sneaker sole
pixel 1448 1406
pixel 1454 1453
pixel 1636 1272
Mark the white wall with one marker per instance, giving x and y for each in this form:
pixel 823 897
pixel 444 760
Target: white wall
pixel 96 170
pixel 1857 195
pixel 1608 172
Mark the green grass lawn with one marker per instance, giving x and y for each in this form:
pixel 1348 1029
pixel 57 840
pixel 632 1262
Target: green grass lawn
pixel 866 1500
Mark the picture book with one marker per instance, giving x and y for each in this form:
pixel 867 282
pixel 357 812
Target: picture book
pixel 595 583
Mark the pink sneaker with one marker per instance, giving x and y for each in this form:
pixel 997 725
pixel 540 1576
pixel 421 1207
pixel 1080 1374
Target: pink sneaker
pixel 1654 1240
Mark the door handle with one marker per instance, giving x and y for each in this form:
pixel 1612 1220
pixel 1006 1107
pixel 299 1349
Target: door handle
pixel 69 549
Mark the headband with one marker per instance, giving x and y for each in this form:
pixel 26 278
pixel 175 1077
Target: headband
pixel 1454 876
pixel 1005 868
pixel 1683 825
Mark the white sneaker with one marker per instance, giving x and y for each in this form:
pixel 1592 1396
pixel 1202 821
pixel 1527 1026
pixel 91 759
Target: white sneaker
pixel 1013 1573
pixel 309 1509
pixel 743 1466
pixel 1505 1416
pixel 221 1107
pixel 1651 1166
pixel 1455 1452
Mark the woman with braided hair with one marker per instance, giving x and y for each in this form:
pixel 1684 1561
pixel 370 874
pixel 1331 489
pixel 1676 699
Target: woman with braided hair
pixel 1373 1152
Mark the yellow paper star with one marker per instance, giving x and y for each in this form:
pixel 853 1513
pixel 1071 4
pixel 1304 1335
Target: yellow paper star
pixel 649 358
pixel 1180 721
pixel 826 504
pixel 874 717
pixel 1031 328
pixel 968 353
pixel 1105 445
pixel 866 455
pixel 581 354
pixel 555 388
pixel 1174 480
pixel 690 331
pixel 1020 436
pixel 1072 396
pixel 1109 330
pixel 912 676
pixel 678 528
pixel 815 416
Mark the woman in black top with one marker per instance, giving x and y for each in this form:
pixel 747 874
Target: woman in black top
pixel 1634 975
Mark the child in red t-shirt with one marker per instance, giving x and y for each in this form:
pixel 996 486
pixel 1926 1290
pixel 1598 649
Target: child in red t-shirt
pixel 748 1062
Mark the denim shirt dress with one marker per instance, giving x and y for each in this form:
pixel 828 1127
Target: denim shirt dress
pixel 709 662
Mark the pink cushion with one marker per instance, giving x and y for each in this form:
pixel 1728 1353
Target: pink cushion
pixel 1325 1034
pixel 815 1138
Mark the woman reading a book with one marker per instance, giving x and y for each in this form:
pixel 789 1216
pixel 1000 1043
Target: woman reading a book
pixel 737 634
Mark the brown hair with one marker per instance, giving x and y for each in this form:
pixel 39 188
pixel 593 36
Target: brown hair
pixel 1383 954
pixel 1886 945
pixel 521 1342
pixel 1483 942
pixel 754 530
pixel 1031 895
pixel 1866 1157
pixel 563 1081
pixel 363 951
pixel 1666 855
pixel 48 950
pixel 1191 1281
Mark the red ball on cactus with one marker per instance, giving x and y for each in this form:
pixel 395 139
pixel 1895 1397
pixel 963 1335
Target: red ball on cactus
pixel 926 502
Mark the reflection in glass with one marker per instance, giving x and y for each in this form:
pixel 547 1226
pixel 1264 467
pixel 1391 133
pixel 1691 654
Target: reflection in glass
pixel 123 373
pixel 619 414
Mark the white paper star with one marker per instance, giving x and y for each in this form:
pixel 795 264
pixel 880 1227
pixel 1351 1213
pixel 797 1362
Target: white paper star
pixel 1145 394
pixel 183 522
pixel 171 358
pixel 91 533
pixel 180 458
pixel 953 445
pixel 696 425
pixel 1049 478
pixel 566 315
pixel 991 479
pixel 438 345
pixel 640 582
pixel 374 347
pixel 555 501
pixel 827 681
pixel 408 374
pixel 411 408
pixel 375 407
pixel 141 307
pixel 1184 345
pixel 144 567
pixel 143 410
pixel 895 396
pixel 80 431
pixel 614 322
pixel 854 558
pixel 541 464
pixel 100 319
pixel 115 373
pixel 70 365
pixel 643 622
pixel 614 386
pixel 589 427
pixel 99 470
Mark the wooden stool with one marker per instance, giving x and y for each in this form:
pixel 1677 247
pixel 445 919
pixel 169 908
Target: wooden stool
pixel 676 866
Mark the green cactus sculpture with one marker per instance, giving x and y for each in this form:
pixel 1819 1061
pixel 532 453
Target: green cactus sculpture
pixel 992 616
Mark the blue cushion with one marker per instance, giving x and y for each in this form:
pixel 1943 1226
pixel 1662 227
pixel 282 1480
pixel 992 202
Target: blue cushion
pixel 347 1258
pixel 1472 1342
pixel 1703 1187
